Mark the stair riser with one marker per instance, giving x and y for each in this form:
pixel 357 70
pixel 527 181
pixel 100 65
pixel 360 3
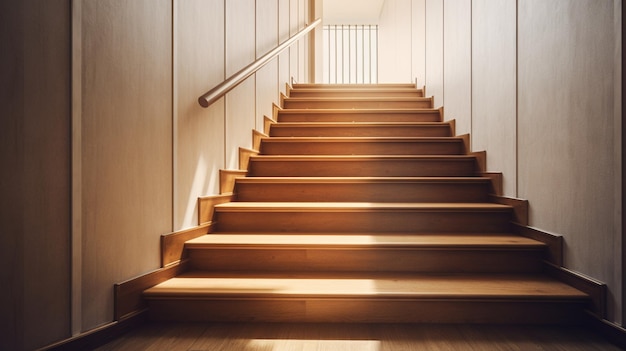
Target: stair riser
pixel 361 260
pixel 284 130
pixel 362 192
pixel 362 168
pixel 360 148
pixel 367 311
pixel 321 104
pixel 290 116
pixel 356 94
pixel 361 221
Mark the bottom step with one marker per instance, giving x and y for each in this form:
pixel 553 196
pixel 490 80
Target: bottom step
pixel 383 298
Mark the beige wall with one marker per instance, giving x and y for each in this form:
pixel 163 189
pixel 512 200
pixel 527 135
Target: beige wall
pixel 104 146
pixel 394 42
pixel 457 47
pixel 569 131
pixel 35 173
pixel 537 83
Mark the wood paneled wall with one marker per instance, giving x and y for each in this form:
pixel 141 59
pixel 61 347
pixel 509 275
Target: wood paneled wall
pixel 104 146
pixel 34 172
pixel 543 94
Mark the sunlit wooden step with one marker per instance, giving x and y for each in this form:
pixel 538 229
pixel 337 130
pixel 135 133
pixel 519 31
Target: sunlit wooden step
pixel 365 129
pixel 362 146
pixel 435 253
pixel 360 115
pixel 399 102
pixel 380 86
pixel 363 166
pixel 351 217
pixel 356 92
pixel 351 297
pixel 363 189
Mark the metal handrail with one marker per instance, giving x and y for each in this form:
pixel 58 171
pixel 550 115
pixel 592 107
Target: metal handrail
pixel 214 94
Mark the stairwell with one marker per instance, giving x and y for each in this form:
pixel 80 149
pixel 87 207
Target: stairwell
pixel 362 205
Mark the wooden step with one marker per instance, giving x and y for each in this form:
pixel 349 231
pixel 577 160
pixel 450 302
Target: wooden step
pixel 363 189
pixel 348 103
pixel 365 129
pixel 374 253
pixel 380 86
pixel 360 115
pixel 352 297
pixel 362 166
pixel 355 92
pixel 362 146
pixel 351 217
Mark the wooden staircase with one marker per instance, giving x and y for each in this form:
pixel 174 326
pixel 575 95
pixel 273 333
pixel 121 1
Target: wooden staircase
pixel 362 205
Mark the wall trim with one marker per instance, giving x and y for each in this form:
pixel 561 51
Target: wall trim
pixel 127 295
pixel 594 288
pixel 554 241
pixel 520 207
pixel 173 244
pixel 614 333
pixel 206 205
pixel 99 336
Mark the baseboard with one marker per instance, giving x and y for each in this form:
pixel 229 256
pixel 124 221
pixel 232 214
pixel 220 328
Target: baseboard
pixel 128 295
pixel 173 244
pixel 520 207
pixel 99 336
pixel 596 290
pixel 553 241
pixel 612 332
pixel 206 205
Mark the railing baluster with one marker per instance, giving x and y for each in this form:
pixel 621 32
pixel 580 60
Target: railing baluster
pixel 359 50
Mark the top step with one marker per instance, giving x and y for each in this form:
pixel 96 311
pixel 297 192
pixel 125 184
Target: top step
pixel 354 86
pixel 360 92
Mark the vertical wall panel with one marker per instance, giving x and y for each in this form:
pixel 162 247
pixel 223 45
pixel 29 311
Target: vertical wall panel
pixel 434 50
pixel 267 77
pixel 35 155
pixel 418 44
pixel 494 86
pixel 567 145
pixel 294 26
pixel 12 158
pixel 458 63
pixel 240 52
pixel 199 132
pixel 394 50
pixel 284 61
pixel 127 142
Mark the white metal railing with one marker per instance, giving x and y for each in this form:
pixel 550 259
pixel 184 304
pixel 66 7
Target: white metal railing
pixel 350 54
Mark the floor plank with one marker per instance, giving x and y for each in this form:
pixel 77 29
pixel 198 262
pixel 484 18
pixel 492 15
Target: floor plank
pixel 361 337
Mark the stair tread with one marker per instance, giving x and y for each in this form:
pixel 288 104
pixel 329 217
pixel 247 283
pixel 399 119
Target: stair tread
pixel 350 98
pixel 364 241
pixel 369 285
pixel 362 157
pixel 363 179
pixel 360 124
pixel 357 110
pixel 359 206
pixel 310 139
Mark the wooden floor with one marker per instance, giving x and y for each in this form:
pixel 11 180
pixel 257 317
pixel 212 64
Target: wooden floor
pixel 357 337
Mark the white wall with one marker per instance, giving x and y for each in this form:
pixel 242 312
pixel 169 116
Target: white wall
pixel 537 84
